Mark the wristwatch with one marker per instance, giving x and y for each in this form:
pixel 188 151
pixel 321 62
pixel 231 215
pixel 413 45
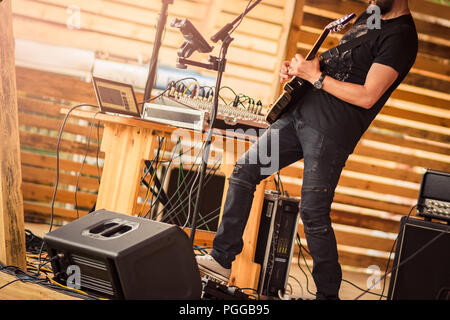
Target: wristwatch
pixel 319 83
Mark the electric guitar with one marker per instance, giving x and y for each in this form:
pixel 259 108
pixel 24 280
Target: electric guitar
pixel 297 87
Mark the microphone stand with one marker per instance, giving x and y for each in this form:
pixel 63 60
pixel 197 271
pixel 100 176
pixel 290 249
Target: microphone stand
pixel 156 47
pixel 217 64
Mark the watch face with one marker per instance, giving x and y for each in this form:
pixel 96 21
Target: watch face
pixel 318 85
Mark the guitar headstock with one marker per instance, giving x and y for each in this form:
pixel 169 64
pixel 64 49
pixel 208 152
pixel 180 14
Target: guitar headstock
pixel 339 24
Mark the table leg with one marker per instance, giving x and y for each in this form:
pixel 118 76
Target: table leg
pixel 125 149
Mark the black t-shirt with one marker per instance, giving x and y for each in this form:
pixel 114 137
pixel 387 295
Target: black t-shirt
pixel 341 121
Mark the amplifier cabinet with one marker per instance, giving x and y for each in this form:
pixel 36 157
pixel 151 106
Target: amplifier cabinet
pixel 276 238
pixel 426 275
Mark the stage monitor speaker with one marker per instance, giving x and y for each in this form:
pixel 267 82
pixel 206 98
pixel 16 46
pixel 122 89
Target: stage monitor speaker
pixel 427 275
pixel 125 257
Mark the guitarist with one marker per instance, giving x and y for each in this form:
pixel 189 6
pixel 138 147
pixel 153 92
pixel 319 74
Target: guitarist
pixel 323 128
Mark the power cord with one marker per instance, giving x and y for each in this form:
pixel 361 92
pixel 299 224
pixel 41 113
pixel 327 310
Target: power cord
pixel 57 171
pixel 84 161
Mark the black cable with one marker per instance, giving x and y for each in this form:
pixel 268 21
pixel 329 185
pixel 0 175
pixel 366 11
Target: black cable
pixel 190 171
pixel 304 273
pixel 83 162
pixel 343 280
pixel 211 219
pixel 97 153
pixel 149 168
pixel 167 89
pixel 57 171
pixel 298 282
pixel 407 260
pixel 390 254
pixel 154 161
pixel 208 177
pixel 32 242
pixel 152 203
pixel 243 16
pixel 361 289
pixel 8 283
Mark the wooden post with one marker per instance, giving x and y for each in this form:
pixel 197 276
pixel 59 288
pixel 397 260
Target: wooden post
pixel 244 271
pixel 12 232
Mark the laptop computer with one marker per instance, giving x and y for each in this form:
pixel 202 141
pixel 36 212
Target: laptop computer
pixel 116 97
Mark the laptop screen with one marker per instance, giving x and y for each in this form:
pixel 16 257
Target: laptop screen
pixel 116 97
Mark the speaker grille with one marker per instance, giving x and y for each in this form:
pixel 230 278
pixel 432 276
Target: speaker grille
pixel 89 262
pixel 95 267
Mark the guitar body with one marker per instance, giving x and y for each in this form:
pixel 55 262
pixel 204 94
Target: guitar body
pixel 297 87
pixel 293 91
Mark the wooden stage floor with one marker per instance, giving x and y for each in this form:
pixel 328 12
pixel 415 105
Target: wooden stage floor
pixel 28 291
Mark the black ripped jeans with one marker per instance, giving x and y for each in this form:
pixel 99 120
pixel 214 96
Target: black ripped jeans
pixel 287 141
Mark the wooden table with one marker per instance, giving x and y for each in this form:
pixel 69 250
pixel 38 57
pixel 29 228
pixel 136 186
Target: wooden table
pixel 128 142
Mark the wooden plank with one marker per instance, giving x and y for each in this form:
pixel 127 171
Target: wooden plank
pixel 95 23
pixel 46 161
pixel 44 142
pixel 395 171
pixel 37 192
pixel 368 222
pixel 405 141
pixel 358 240
pixel 365 150
pixel 92 22
pixel 54 125
pixel 427 82
pixel 414 95
pixel 253 27
pixel 293 22
pixel 190 9
pixel 58 86
pixel 429 29
pixel 417 116
pixel 43 210
pixel 360 201
pixel 145 14
pixel 349 179
pixel 344 7
pixel 384 203
pixel 20 290
pixel 247 79
pixel 12 234
pixel 48 177
pixel 263 11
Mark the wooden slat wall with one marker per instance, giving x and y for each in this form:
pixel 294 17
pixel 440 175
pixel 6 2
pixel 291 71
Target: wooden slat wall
pixel 381 180
pixel 126 30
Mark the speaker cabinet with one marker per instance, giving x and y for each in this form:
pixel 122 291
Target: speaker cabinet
pixel 178 185
pixel 124 257
pixel 427 275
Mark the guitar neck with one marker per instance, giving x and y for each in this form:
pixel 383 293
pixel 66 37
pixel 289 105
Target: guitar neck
pixel 312 54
